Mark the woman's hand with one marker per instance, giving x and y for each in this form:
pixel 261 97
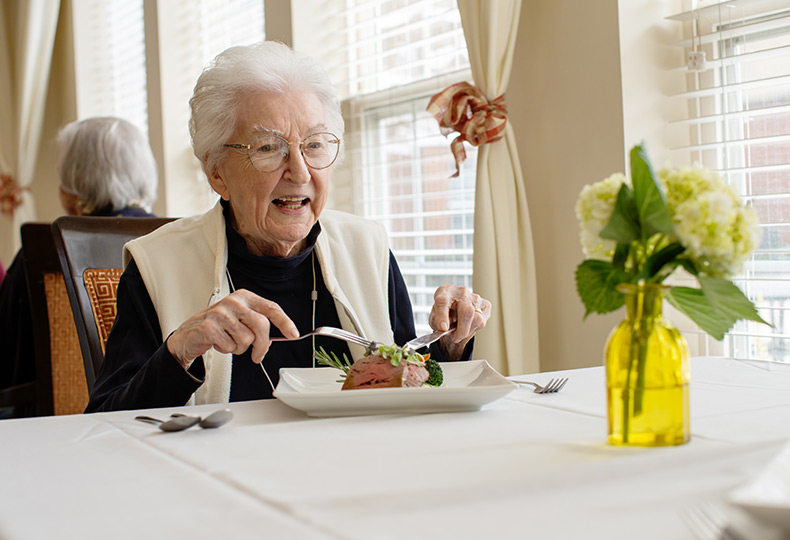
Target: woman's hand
pixel 459 305
pixel 231 325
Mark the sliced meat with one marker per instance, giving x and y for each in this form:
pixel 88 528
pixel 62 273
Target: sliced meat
pixel 375 371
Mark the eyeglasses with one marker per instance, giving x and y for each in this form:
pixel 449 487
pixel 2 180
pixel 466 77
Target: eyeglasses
pixel 269 152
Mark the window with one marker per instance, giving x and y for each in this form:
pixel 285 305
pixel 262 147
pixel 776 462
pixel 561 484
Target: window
pixel 110 49
pixel 110 60
pixel 397 54
pixel 739 124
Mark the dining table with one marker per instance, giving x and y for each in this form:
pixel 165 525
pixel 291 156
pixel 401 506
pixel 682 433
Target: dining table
pixel 524 465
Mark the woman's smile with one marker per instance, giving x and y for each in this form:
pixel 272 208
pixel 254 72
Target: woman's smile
pixel 291 203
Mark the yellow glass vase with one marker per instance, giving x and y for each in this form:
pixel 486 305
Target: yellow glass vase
pixel 647 374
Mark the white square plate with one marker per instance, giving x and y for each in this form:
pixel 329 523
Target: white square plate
pixel 467 387
pixel 768 496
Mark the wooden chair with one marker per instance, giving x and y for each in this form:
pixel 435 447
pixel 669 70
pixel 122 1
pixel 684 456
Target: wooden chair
pixel 90 250
pixel 60 380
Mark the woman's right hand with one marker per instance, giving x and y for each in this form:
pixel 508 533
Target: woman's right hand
pixel 230 326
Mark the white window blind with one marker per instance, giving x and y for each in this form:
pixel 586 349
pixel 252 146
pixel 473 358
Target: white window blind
pixel 110 51
pixel 393 56
pixel 110 60
pixel 224 23
pixel 739 124
pixel 391 43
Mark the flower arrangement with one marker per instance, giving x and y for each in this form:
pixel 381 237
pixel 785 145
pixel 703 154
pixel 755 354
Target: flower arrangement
pixel 641 232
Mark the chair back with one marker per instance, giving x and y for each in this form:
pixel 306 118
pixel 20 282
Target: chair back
pixel 60 378
pixel 90 250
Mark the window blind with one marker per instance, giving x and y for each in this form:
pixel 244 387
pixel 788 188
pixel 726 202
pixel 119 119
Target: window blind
pixel 110 60
pixel 224 23
pixel 738 123
pixel 392 57
pixel 110 49
pixel 390 43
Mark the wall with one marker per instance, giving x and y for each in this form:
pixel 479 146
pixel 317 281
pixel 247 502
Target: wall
pixel 576 107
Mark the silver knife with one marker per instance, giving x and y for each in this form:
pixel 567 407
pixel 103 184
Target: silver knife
pixel 427 339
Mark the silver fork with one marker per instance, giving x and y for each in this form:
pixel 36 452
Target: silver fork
pixel 709 522
pixel 336 333
pixel 553 386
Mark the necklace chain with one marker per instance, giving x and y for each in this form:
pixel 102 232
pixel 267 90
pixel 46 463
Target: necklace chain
pixel 313 299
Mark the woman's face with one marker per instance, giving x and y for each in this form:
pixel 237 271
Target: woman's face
pixel 274 211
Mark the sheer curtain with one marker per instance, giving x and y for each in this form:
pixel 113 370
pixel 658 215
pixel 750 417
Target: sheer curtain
pixel 504 263
pixel 24 75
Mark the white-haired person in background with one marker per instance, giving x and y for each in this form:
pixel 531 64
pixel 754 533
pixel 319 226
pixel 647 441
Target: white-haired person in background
pixel 201 298
pixel 105 168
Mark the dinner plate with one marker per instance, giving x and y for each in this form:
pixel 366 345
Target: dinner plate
pixel 767 497
pixel 467 387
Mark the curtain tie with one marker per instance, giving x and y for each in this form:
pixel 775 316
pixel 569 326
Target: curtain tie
pixel 463 108
pixel 10 195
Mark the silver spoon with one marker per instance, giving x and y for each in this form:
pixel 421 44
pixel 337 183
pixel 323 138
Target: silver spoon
pixel 214 420
pixel 177 423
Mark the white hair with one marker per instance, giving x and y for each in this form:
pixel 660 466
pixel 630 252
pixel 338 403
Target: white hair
pixel 106 161
pixel 270 67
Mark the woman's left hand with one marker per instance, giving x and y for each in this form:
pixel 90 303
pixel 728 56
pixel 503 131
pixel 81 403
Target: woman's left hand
pixel 457 305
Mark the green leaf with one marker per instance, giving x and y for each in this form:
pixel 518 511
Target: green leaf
pixel 694 304
pixel 623 226
pixel 596 282
pixel 689 266
pixel 651 206
pixel 620 256
pixel 728 299
pixel 661 258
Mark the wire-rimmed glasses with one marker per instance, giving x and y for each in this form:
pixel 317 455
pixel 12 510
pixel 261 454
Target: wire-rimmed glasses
pixel 268 152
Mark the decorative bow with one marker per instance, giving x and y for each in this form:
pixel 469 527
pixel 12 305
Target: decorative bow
pixel 10 195
pixel 463 108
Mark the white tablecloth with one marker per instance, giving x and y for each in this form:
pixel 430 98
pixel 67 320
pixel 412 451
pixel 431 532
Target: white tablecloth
pixel 525 466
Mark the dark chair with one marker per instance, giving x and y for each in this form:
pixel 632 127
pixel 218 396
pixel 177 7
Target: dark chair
pixel 90 250
pixel 60 381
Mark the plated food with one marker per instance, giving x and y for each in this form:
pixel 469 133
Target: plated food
pixel 467 386
pixel 387 367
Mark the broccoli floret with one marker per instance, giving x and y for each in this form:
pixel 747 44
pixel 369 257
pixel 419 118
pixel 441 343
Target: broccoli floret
pixel 435 375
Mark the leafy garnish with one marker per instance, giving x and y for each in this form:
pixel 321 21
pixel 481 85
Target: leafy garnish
pixel 396 355
pixel 330 359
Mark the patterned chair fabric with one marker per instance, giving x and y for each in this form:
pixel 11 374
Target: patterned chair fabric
pixel 69 389
pixel 102 287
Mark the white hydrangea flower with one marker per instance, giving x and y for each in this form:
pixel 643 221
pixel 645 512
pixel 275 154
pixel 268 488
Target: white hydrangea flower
pixel 594 209
pixel 718 231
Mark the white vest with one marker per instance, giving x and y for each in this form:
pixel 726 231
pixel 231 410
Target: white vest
pixel 183 267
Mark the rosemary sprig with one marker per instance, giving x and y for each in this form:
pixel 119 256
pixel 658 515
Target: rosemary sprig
pixel 330 359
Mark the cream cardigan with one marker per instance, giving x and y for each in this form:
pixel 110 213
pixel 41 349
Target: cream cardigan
pixel 183 267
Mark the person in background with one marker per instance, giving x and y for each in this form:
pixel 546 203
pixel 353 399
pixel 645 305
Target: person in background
pixel 106 168
pixel 201 297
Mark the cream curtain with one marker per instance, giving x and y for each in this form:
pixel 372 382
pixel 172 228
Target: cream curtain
pixel 504 261
pixel 28 28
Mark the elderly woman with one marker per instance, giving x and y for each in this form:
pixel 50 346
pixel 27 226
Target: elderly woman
pixel 201 298
pixel 106 168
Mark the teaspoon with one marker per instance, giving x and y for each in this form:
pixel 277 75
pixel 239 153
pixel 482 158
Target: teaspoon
pixel 214 420
pixel 177 423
